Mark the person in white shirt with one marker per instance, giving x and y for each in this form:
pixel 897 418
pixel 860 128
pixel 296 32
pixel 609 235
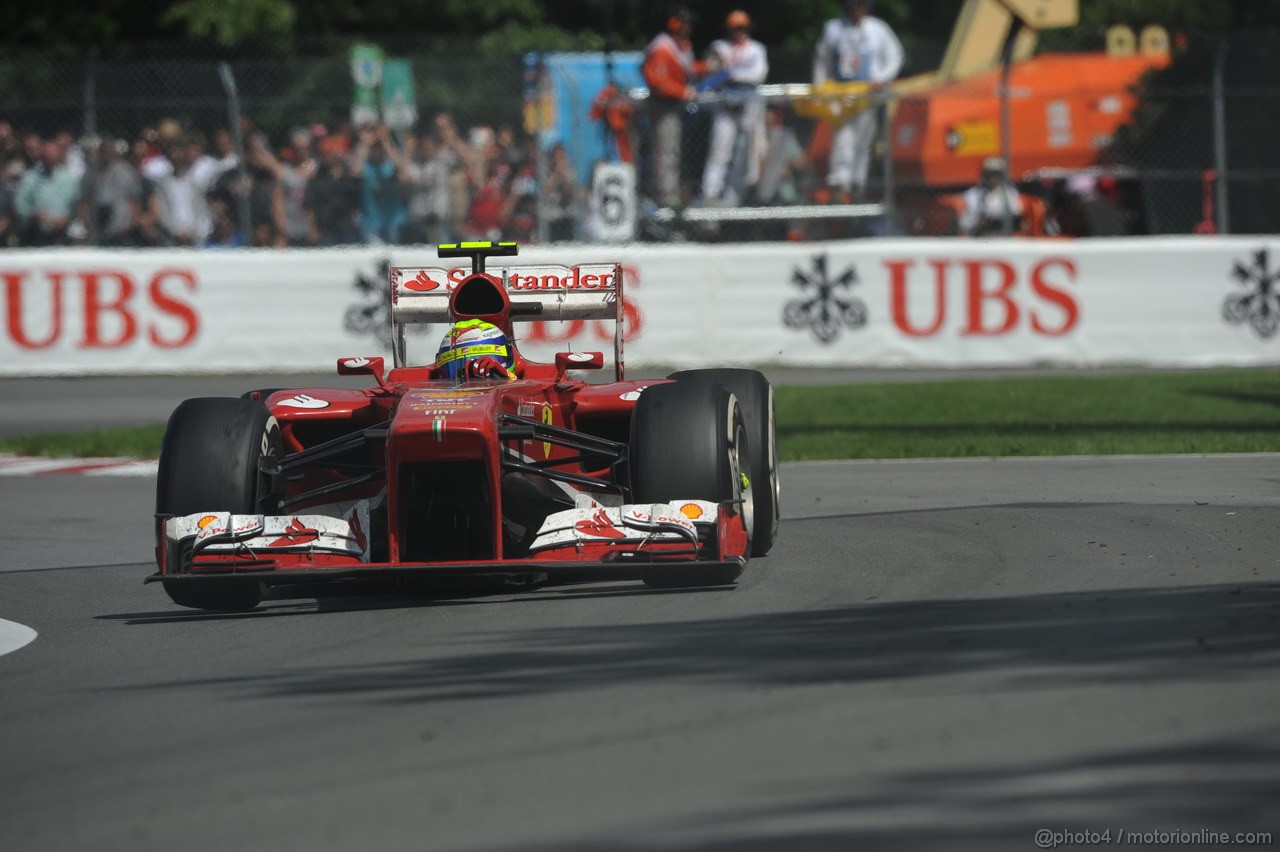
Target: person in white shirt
pixel 741 64
pixel 987 204
pixel 179 203
pixel 857 47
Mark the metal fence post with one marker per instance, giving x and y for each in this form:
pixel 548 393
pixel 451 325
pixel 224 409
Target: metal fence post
pixel 1006 129
pixel 1220 136
pixel 540 156
pixel 889 187
pixel 237 134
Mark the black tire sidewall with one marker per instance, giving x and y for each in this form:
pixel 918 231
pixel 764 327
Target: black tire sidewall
pixel 682 438
pixel 210 455
pixel 755 397
pixel 680 444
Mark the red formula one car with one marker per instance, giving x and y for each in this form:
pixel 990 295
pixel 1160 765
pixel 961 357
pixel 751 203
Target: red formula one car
pixel 526 471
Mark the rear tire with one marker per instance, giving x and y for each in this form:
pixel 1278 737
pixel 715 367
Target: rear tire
pixel 688 442
pixel 755 396
pixel 209 462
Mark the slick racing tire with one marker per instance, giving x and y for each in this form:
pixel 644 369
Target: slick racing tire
pixel 209 462
pixel 688 441
pixel 755 395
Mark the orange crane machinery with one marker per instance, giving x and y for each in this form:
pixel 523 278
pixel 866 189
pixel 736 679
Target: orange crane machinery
pixel 1062 107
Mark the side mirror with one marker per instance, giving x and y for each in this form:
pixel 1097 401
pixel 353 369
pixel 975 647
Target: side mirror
pixel 566 361
pixel 362 366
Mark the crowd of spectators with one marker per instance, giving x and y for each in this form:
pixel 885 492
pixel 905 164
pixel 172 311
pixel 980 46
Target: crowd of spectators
pixel 171 185
pixel 333 184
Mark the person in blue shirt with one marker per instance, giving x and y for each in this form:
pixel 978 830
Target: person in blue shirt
pixel 380 166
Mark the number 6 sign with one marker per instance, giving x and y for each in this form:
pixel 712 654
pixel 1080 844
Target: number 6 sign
pixel 613 202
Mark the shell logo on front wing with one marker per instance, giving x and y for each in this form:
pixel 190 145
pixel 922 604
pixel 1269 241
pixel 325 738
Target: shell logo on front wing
pixel 692 511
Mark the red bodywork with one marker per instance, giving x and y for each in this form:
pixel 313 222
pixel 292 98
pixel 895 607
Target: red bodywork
pixel 412 432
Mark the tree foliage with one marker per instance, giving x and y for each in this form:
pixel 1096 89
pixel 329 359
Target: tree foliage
pixel 229 22
pixel 578 23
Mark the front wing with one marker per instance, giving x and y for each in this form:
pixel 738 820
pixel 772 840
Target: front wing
pixel 303 548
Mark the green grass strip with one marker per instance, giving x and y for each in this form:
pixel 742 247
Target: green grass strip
pixel 1221 411
pixel 1218 411
pixel 142 442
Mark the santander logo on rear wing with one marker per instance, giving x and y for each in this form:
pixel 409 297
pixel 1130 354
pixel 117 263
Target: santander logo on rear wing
pixel 587 291
pixel 537 293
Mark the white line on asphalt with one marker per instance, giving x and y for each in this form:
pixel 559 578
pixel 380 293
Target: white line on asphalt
pixel 1020 459
pixel 13 636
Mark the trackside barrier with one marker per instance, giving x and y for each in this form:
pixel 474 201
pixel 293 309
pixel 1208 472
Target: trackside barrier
pixel 1158 302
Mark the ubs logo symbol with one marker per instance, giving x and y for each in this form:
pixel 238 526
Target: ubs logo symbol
pixel 825 304
pixel 1259 304
pixel 371 317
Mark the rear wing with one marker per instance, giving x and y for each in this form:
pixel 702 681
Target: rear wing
pixel 538 293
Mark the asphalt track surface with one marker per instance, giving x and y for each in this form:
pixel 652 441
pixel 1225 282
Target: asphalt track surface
pixel 937 655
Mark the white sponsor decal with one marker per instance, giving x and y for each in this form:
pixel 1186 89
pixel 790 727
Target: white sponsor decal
pixel 217 524
pixel 223 531
pixel 14 636
pixel 272 425
pixel 580 357
pixel 632 396
pixel 627 524
pixel 355 363
pixel 303 400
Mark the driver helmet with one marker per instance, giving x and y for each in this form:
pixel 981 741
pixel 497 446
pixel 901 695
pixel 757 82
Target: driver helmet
pixel 468 340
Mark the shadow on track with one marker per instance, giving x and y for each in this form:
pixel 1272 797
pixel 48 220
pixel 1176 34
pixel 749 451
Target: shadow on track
pixel 1198 633
pixel 364 596
pixel 1223 784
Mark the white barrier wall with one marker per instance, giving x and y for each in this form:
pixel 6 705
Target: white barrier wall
pixel 1193 301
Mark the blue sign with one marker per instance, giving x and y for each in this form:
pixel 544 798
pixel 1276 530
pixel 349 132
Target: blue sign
pixel 574 80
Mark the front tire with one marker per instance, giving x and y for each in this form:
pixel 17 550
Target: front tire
pixel 688 442
pixel 209 462
pixel 755 396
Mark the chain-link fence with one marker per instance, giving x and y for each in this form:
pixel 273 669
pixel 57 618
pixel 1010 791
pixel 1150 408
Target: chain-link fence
pixel 262 150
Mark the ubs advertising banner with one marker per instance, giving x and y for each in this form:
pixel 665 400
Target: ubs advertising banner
pixel 1165 302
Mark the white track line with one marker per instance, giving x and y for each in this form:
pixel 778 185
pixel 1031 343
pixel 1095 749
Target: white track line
pixel 1155 457
pixel 13 636
pixel 11 465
